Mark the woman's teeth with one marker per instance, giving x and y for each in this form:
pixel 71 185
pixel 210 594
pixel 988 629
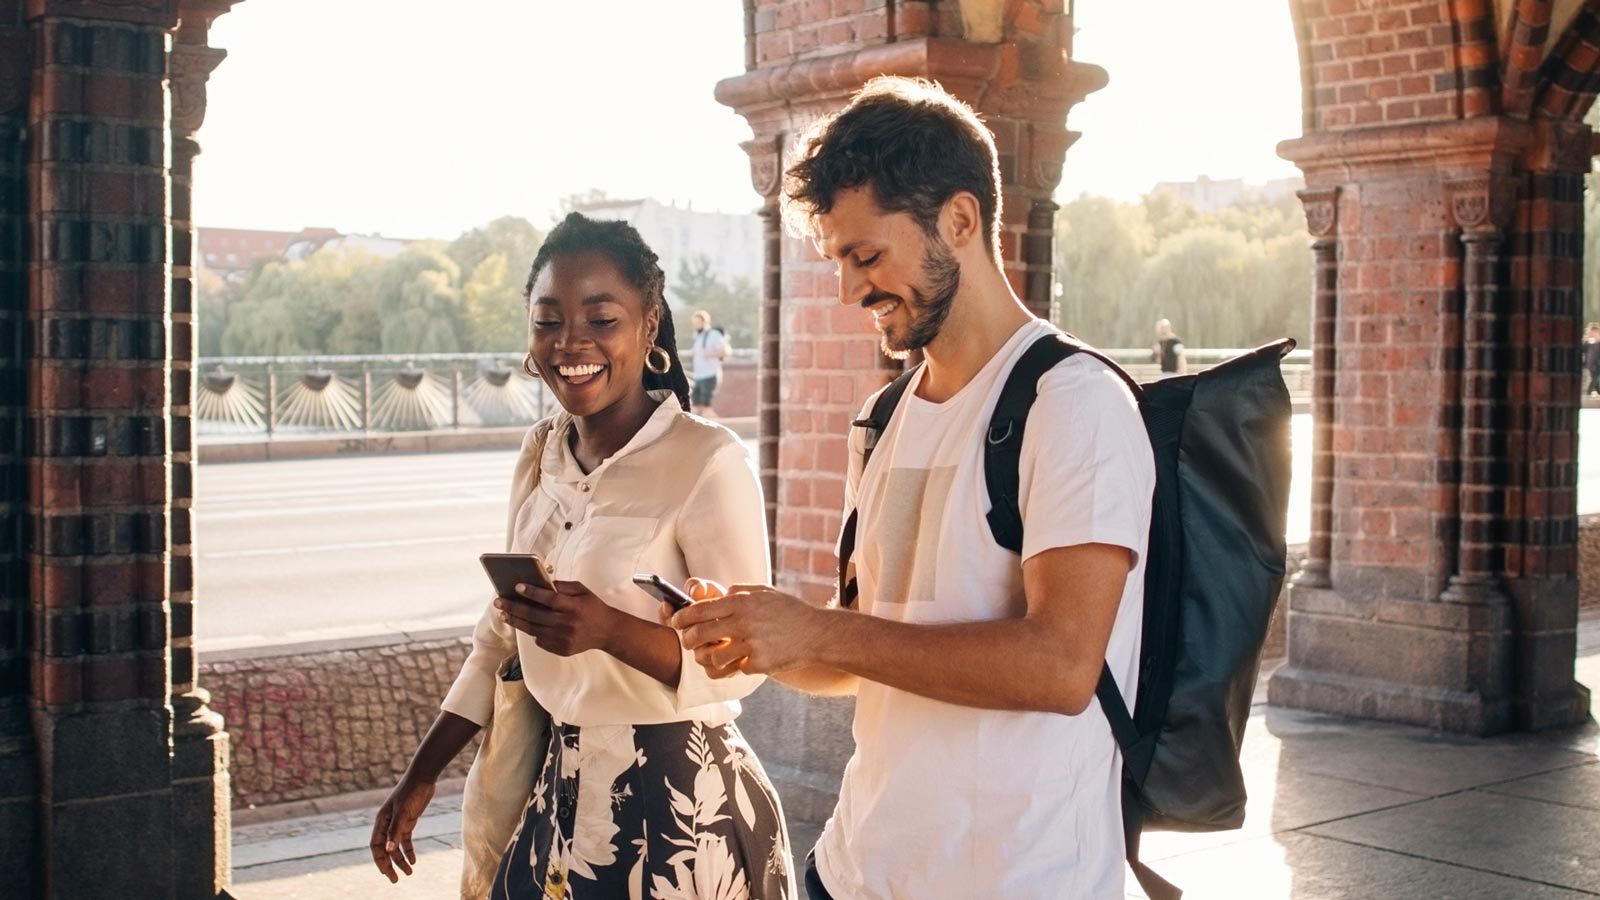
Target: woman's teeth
pixel 576 375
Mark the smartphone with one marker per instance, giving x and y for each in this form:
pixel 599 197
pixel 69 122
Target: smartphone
pixel 655 587
pixel 507 570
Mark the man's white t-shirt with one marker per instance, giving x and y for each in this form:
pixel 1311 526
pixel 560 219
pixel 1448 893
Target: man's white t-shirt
pixel 942 800
pixel 706 356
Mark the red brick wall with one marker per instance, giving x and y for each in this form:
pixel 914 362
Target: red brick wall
pixel 831 364
pixel 1400 61
pixel 1394 493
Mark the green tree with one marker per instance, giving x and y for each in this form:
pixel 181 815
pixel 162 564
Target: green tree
pixel 1222 290
pixel 495 312
pixel 735 305
pixel 1101 246
pixel 511 237
pixel 419 305
pixel 291 307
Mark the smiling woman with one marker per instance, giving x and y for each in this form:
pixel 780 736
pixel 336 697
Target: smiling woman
pixel 624 480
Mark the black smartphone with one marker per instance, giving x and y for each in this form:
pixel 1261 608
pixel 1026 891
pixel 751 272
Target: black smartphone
pixel 507 570
pixel 655 587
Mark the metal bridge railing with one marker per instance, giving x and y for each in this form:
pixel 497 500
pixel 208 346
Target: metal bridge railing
pixel 358 394
pixel 284 395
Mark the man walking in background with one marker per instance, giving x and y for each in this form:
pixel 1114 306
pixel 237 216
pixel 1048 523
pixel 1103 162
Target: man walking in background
pixel 710 349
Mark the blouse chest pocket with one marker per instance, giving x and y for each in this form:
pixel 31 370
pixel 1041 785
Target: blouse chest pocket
pixel 607 553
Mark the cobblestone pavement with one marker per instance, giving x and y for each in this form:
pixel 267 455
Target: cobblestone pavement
pixel 1339 809
pixel 324 854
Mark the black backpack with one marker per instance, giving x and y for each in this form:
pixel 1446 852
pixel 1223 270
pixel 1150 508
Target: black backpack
pixel 1213 570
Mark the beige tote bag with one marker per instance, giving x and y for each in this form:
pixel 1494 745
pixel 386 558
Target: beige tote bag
pixel 514 741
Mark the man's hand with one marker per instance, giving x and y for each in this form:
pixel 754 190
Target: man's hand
pixel 755 629
pixel 566 621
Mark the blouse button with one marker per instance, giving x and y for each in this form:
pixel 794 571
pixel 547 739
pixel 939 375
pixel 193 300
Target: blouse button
pixel 583 486
pixel 567 526
pixel 550 569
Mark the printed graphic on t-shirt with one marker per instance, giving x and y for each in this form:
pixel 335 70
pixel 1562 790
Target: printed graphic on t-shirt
pixel 907 522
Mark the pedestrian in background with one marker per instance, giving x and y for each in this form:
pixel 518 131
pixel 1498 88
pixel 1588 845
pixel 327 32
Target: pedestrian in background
pixel 1168 350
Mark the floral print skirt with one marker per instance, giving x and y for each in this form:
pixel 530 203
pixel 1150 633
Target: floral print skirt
pixel 670 812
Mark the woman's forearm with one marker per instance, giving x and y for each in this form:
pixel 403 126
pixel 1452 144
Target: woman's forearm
pixel 652 649
pixel 443 742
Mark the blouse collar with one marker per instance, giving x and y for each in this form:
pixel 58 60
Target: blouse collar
pixel 559 463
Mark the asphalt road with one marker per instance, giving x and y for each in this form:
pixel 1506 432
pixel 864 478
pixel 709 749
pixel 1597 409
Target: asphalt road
pixel 301 550
pixel 305 550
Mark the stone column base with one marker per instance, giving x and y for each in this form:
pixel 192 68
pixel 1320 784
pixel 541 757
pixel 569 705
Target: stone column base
pixel 1440 665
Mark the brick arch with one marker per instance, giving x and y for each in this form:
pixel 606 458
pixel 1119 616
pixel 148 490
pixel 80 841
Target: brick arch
pixel 1569 78
pixel 1364 63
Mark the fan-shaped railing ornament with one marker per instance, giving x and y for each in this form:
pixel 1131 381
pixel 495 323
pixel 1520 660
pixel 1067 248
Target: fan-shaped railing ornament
pixel 344 394
pixel 412 400
pixel 226 403
pixel 498 397
pixel 319 401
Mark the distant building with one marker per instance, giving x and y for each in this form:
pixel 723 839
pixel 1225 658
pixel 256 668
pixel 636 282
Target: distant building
pixel 230 252
pixel 731 241
pixel 1208 195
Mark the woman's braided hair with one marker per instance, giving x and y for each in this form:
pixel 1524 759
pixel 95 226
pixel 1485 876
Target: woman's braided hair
pixel 639 266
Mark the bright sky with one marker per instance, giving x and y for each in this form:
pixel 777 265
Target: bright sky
pixel 386 116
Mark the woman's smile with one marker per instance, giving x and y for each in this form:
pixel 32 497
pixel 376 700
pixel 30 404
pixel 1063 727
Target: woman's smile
pixel 576 375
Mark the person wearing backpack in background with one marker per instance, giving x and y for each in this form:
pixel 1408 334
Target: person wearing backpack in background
pixel 1168 350
pixel 983 765
pixel 709 350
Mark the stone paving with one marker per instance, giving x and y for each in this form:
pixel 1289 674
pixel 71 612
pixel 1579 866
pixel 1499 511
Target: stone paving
pixel 1339 810
pixel 342 717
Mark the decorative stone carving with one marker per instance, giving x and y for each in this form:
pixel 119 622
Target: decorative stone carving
pixel 1047 152
pixel 189 67
pixel 1482 202
pixel 1322 210
pixel 766 170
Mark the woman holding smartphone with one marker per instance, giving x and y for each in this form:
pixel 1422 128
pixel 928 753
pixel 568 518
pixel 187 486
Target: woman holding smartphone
pixel 648 789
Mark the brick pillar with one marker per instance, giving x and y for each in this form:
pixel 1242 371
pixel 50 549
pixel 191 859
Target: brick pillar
pixel 200 752
pixel 132 768
pixel 805 58
pixel 1322 219
pixel 19 789
pixel 1542 331
pixel 1439 502
pixel 97 461
pixel 764 176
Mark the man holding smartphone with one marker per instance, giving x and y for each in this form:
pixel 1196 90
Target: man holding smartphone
pixel 983 766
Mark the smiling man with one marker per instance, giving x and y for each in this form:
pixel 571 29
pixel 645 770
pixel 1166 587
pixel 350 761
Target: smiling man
pixel 983 765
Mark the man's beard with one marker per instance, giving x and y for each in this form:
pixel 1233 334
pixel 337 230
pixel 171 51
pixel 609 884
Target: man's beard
pixel 929 304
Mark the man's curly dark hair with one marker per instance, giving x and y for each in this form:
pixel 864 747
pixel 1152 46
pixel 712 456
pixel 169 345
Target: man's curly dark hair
pixel 909 141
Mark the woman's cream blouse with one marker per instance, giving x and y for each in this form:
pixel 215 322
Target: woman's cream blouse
pixel 680 499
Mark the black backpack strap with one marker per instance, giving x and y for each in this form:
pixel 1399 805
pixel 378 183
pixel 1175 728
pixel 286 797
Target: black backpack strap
pixel 1127 734
pixel 1002 452
pixel 876 422
pixel 1002 460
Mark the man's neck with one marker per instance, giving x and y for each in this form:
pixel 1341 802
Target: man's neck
pixel 985 315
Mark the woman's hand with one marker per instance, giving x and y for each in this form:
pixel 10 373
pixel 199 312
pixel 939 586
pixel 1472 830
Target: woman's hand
pixel 397 818
pixel 565 621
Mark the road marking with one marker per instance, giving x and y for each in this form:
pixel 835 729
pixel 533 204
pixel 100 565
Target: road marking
pixel 353 545
pixel 432 485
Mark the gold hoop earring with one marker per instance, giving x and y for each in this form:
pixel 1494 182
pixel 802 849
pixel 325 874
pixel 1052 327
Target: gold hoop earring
pixel 527 367
pixel 658 368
